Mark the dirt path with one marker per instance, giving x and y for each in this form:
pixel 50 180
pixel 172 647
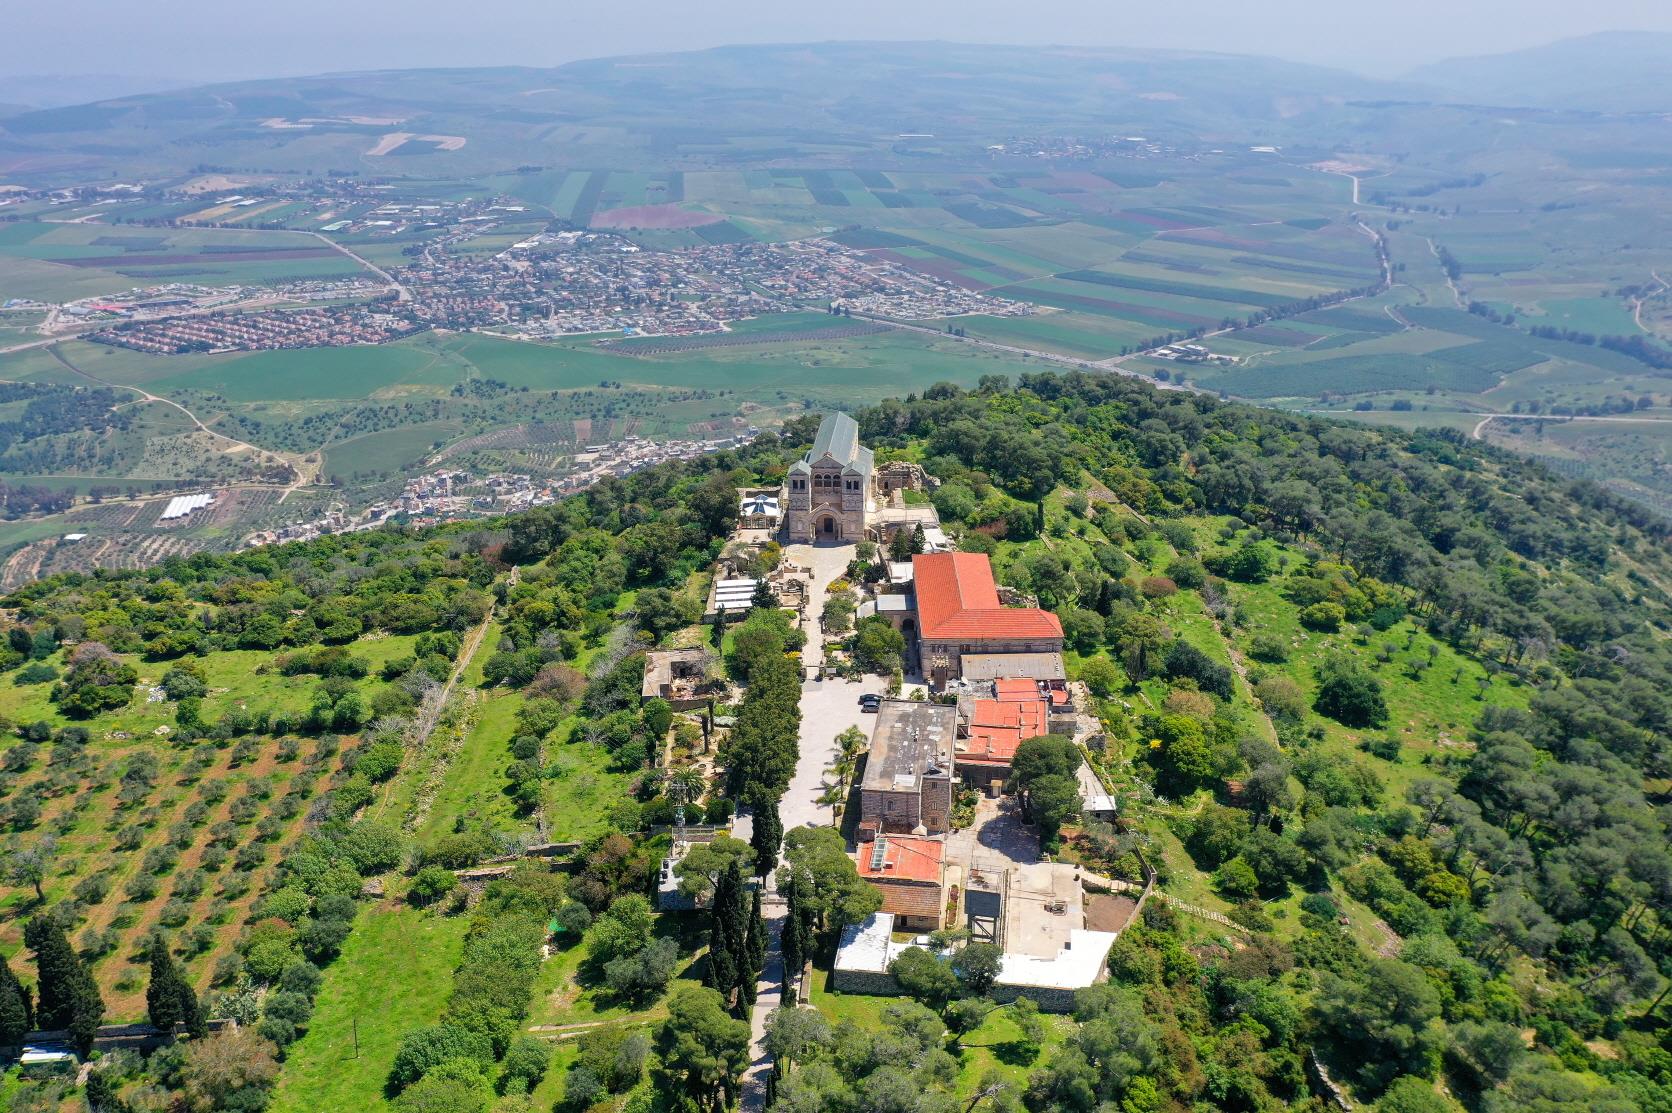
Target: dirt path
pixel 1637 303
pixel 1456 294
pixel 146 396
pixel 431 709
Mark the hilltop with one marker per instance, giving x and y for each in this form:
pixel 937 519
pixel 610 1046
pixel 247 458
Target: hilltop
pixel 1386 714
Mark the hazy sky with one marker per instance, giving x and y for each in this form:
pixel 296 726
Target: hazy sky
pixel 195 40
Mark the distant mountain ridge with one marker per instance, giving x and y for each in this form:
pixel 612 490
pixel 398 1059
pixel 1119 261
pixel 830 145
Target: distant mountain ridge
pixel 728 105
pixel 737 106
pixel 1614 71
pixel 23 92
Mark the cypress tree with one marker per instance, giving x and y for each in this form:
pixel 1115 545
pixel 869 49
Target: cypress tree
pixel 789 940
pixel 756 937
pixel 102 1096
pixel 765 838
pixel 737 935
pixel 55 972
pixel 196 1017
pixel 722 968
pixel 86 1011
pixel 16 1011
pixel 69 998
pixel 164 996
pixel 806 921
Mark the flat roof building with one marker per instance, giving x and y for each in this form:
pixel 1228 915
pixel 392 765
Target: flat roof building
pixel 907 787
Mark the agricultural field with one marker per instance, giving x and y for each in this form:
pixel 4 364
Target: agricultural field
pixel 60 261
pixel 147 834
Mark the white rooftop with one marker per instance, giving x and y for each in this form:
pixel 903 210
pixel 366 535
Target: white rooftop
pixel 1076 966
pixel 869 946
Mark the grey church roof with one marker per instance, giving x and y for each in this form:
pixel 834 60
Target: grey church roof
pixel 838 438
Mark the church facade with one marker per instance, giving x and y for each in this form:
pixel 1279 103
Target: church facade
pixel 831 492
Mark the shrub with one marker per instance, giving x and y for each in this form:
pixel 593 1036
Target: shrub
pixel 37 673
pixel 1324 617
pixel 431 884
pixel 1157 587
pixel 1281 698
pixel 1350 694
pixel 1187 572
pixel 429 1047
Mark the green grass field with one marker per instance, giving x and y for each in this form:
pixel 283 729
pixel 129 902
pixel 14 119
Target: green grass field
pixel 362 1013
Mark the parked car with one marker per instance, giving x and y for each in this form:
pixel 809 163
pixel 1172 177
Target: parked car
pixel 870 701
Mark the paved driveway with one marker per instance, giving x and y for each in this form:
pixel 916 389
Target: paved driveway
pixel 828 707
pixel 998 839
pixel 827 563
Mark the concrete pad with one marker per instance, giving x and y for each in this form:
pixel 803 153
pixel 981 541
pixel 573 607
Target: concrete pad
pixel 1042 909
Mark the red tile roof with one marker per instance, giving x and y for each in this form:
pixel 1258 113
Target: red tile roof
pixel 958 600
pixel 997 728
pixel 1012 689
pixel 905 858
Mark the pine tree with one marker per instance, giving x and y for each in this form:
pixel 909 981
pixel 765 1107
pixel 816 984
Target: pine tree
pixel 16 1013
pixel 164 996
pixel 766 837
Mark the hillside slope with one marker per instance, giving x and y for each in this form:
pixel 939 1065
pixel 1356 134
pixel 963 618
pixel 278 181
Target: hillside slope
pixel 1394 707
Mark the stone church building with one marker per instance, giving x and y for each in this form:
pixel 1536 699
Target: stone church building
pixel 831 493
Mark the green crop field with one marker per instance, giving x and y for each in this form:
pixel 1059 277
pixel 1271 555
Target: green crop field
pixel 309 374
pixel 52 254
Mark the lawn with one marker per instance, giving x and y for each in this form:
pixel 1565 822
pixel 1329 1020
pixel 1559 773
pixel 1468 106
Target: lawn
pixel 362 1012
pixel 473 788
pixel 994 1045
